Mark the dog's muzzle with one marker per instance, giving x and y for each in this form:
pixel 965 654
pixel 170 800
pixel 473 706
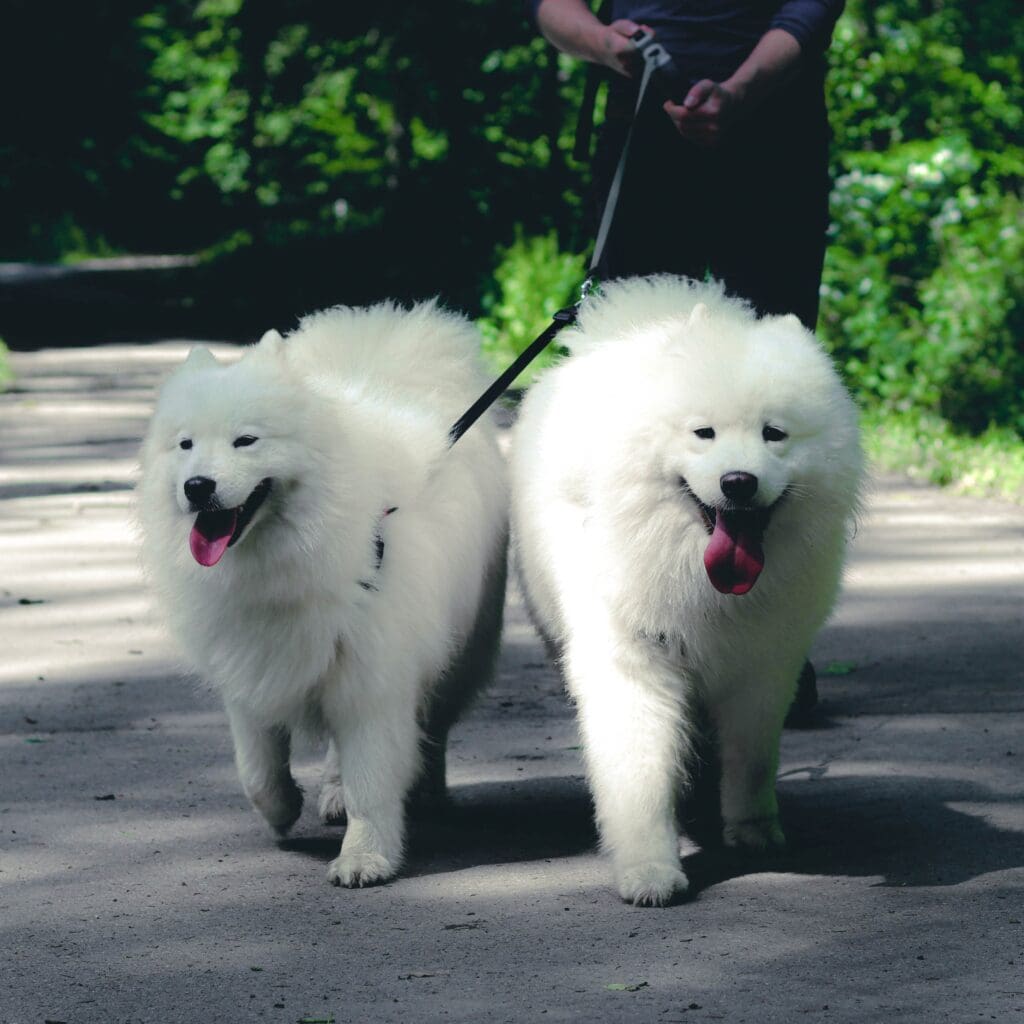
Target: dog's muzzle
pixel 734 557
pixel 217 528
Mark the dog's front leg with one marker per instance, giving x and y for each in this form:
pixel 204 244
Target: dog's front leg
pixel 262 755
pixel 633 719
pixel 748 728
pixel 377 740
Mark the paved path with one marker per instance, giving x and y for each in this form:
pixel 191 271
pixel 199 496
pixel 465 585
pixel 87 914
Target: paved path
pixel 136 885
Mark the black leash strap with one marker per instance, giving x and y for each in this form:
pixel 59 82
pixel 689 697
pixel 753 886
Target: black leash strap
pixel 616 186
pixel 568 315
pixel 561 319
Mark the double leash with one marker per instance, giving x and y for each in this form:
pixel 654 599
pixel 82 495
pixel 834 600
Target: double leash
pixel 655 59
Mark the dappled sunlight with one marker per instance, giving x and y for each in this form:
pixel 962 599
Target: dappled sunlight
pixel 1006 817
pixel 126 839
pixel 904 547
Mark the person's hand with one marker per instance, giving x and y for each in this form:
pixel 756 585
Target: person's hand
pixel 710 109
pixel 614 49
pixel 706 114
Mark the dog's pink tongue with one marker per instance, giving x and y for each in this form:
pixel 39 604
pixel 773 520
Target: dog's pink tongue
pixel 211 535
pixel 734 557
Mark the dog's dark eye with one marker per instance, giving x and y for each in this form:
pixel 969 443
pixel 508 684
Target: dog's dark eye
pixel 705 433
pixel 185 444
pixel 773 434
pixel 244 441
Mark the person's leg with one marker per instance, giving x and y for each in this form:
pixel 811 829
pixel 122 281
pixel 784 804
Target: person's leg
pixel 772 198
pixel 660 225
pixel 772 207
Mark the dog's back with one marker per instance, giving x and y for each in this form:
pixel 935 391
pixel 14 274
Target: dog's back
pixel 425 357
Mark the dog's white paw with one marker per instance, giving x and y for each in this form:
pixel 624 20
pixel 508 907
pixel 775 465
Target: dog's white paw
pixel 756 835
pixel 332 804
pixel 652 883
pixel 280 804
pixel 355 870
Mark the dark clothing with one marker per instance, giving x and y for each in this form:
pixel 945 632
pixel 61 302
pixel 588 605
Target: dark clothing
pixel 754 211
pixel 711 38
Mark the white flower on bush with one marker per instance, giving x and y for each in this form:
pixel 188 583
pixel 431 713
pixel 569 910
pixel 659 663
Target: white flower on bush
pixel 924 174
pixel 880 183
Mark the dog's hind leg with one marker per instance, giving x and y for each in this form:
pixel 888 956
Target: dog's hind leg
pixel 748 724
pixel 469 672
pixel 262 754
pixel 332 795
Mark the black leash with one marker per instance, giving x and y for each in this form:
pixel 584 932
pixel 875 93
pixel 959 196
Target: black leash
pixel 654 57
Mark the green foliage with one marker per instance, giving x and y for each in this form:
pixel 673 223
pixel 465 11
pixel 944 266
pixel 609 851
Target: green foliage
pixel 5 369
pixel 532 281
pixel 401 141
pixel 923 295
pixel 925 447
pixel 320 153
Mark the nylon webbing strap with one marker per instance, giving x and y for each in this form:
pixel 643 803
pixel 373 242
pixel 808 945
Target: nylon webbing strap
pixel 612 200
pixel 565 316
pixel 561 319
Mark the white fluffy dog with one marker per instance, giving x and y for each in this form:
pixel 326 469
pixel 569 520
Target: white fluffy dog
pixel 326 562
pixel 686 454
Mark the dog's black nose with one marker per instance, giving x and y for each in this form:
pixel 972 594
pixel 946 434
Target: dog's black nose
pixel 738 486
pixel 199 489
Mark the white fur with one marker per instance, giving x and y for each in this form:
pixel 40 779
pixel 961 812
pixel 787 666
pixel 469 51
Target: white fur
pixel 610 549
pixel 351 413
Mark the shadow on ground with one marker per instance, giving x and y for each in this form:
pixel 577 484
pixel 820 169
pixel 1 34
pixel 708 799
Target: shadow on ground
pixel 906 830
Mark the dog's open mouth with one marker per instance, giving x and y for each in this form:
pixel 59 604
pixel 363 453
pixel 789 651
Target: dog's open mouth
pixel 734 557
pixel 215 530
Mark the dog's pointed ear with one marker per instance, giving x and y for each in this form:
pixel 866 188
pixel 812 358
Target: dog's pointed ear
pixel 271 343
pixel 699 314
pixel 200 358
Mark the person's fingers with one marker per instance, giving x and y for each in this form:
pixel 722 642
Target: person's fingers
pixel 624 27
pixel 699 93
pixel 692 126
pixel 619 53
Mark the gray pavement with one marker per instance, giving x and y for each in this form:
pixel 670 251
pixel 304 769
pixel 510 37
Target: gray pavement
pixel 136 884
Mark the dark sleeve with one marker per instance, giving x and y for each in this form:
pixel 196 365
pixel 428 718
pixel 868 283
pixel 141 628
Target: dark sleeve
pixel 810 22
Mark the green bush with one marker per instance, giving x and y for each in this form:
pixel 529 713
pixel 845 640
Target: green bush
pixel 533 279
pixel 5 370
pixel 926 448
pixel 923 293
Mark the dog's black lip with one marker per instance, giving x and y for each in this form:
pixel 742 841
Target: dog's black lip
pixel 709 513
pixel 248 508
pixel 242 513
